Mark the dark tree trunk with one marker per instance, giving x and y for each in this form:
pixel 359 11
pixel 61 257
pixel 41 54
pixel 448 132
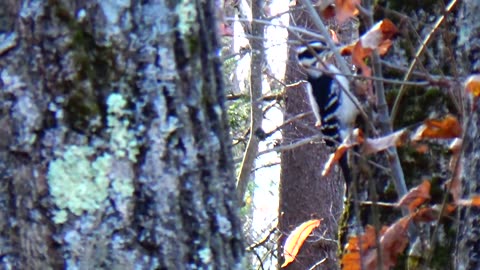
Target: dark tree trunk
pixel 114 147
pixel 304 193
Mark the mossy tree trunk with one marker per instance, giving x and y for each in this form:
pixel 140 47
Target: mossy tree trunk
pixel 114 149
pixel 468 239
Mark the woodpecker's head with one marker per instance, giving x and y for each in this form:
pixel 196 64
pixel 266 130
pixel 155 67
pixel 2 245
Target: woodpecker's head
pixel 314 58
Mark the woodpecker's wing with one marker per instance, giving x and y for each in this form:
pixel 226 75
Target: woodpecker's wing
pixel 330 104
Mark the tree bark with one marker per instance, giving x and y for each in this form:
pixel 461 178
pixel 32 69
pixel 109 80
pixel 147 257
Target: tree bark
pixel 468 238
pixel 304 193
pixel 114 146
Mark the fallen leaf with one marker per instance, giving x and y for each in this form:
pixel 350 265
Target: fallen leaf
pixel 355 138
pixel 446 128
pixel 296 238
pixel 416 196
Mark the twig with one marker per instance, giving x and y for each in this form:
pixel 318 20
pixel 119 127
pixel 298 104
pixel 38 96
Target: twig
pixel 263 240
pixel 317 264
pixel 269 23
pixel 267 166
pixel 384 204
pixel 419 52
pixel 292 145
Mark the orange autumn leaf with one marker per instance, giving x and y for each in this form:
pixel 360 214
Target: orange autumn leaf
pixel 295 240
pixel 476 200
pixel 346 9
pixel 355 138
pixel 473 201
pixel 446 128
pixel 379 38
pixel 416 196
pixel 393 243
pixel 472 85
pixel 351 261
pixel 369 238
pixel 351 258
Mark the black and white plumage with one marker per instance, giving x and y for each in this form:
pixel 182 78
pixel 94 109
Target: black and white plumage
pixel 335 111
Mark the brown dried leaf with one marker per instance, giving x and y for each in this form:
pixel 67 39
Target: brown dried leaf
pixel 392 243
pixel 355 138
pixel 416 196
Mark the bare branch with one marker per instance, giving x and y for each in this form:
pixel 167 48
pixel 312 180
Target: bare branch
pixel 419 52
pixel 292 145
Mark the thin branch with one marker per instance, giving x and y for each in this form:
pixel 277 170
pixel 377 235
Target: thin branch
pixel 384 204
pixel 385 123
pixel 263 240
pixel 317 264
pixel 266 166
pixel 292 145
pixel 419 52
pixel 267 97
pixel 269 23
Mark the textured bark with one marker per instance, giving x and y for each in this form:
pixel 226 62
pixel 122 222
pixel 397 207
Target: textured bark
pixel 468 239
pixel 304 193
pixel 171 201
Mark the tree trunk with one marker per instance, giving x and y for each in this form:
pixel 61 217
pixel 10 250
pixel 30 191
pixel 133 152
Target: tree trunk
pixel 304 193
pixel 114 147
pixel 468 243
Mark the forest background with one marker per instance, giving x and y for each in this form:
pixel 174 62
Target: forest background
pixel 156 135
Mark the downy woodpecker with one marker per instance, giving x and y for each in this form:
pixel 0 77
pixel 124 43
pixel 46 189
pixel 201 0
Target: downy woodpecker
pixel 334 109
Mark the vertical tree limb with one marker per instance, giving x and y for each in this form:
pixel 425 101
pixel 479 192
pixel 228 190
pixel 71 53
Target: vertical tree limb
pixel 256 115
